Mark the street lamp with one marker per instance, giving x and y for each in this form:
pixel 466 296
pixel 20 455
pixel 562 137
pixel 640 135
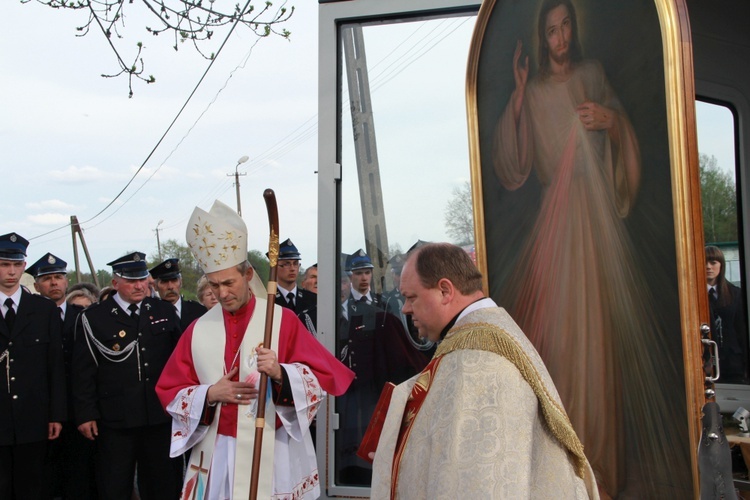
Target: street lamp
pixel 158 243
pixel 237 182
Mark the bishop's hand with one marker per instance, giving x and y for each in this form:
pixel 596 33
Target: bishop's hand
pixel 229 391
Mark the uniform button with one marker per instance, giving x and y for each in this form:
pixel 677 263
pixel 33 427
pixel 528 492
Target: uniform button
pixel 140 335
pixel 147 379
pixel 145 364
pixel 143 349
pixel 10 344
pixel 12 379
pixel 15 396
pixel 354 364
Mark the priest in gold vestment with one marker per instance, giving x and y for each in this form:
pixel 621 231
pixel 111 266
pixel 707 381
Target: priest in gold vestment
pixel 483 419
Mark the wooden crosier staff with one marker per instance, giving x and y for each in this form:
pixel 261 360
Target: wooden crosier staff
pixel 273 257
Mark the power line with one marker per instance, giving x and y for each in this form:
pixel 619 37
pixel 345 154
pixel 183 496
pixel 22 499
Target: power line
pixel 158 143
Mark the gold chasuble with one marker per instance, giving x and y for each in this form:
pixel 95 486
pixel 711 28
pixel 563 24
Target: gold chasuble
pixel 482 420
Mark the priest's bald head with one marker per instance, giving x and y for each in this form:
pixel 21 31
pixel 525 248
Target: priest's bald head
pixel 438 281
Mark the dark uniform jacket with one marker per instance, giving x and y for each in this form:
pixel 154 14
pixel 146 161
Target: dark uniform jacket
pixel 191 310
pixel 303 300
pixel 35 394
pixel 121 394
pixel 68 338
pixel 729 332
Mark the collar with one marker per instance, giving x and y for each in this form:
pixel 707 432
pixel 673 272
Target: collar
pixel 356 295
pixel 482 303
pixel 64 307
pixel 124 305
pixel 286 292
pixel 243 312
pixel 16 298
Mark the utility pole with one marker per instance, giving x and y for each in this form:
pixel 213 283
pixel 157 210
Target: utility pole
pixel 236 175
pixel 75 230
pixel 158 243
pixel 366 154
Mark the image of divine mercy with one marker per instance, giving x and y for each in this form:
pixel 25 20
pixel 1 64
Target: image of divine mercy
pixel 576 291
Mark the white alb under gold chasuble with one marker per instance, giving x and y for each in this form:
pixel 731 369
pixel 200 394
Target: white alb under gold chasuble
pixel 292 439
pixel 491 424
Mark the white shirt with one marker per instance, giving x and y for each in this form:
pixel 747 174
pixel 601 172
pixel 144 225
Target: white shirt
pixel 16 300
pixel 124 305
pixel 356 296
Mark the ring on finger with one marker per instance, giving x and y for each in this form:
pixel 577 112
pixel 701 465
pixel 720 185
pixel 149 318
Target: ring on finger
pixel 238 396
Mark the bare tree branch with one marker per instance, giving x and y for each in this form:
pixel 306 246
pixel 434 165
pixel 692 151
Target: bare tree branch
pixel 193 21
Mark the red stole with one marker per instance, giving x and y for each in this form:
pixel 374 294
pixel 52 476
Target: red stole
pixel 413 405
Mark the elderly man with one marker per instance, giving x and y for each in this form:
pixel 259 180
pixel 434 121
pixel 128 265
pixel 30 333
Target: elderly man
pixel 483 419
pixel 310 279
pixel 51 281
pixel 168 282
pixel 122 344
pixel 209 385
pixel 72 456
pixel 32 377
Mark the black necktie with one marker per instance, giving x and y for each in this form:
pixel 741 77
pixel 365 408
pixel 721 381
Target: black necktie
pixel 10 316
pixel 290 299
pixel 133 308
pixel 712 294
pixel 363 299
pixel 62 315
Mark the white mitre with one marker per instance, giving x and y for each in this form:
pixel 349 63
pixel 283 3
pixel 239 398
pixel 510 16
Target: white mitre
pixel 218 241
pixel 218 238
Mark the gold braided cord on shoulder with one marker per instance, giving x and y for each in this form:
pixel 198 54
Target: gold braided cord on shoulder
pixel 491 338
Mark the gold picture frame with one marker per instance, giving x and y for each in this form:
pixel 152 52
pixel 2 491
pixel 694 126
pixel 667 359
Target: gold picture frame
pixel 548 257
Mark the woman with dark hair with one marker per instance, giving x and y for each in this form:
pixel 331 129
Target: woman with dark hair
pixel 727 319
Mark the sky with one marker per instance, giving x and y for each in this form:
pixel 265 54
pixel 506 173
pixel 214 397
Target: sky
pixel 71 140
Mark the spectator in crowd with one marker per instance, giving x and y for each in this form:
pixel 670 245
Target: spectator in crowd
pixel 32 378
pixel 205 294
pixel 122 344
pixel 71 457
pixel 168 280
pixel 91 288
pixel 310 279
pixel 727 319
pixel 80 297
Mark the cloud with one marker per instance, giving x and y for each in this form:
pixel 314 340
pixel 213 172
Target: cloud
pixel 75 174
pixel 50 205
pixel 49 219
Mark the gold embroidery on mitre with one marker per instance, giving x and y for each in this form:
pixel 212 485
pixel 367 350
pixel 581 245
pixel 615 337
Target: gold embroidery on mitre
pixel 491 338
